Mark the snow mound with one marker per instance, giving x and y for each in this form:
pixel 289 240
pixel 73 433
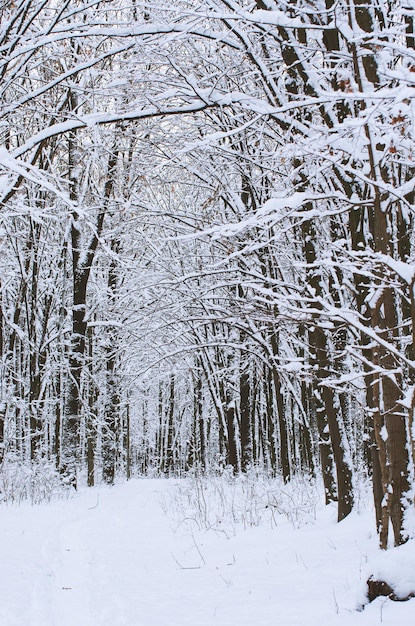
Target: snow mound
pixel 396 568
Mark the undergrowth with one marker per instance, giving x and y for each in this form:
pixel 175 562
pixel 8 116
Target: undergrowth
pixel 37 483
pixel 224 502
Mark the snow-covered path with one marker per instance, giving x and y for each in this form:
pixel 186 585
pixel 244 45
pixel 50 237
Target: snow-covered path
pixel 113 557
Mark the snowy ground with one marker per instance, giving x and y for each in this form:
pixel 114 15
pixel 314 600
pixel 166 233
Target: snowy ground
pixel 124 556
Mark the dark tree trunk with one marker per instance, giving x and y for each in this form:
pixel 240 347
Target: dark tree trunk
pixel 200 422
pixel 111 436
pixel 245 415
pixel 91 434
pixel 281 416
pixel 83 255
pixel 326 412
pixel 231 451
pixel 170 435
pixel 270 418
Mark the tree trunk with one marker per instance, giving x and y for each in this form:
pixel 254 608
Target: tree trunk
pixel 245 415
pixel 326 413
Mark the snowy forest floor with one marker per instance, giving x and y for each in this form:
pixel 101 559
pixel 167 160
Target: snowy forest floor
pixel 186 552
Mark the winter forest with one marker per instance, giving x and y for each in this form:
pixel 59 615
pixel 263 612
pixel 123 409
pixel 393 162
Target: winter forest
pixel 207 245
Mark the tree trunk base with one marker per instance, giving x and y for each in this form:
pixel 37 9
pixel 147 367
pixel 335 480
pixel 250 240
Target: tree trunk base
pixel 376 588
